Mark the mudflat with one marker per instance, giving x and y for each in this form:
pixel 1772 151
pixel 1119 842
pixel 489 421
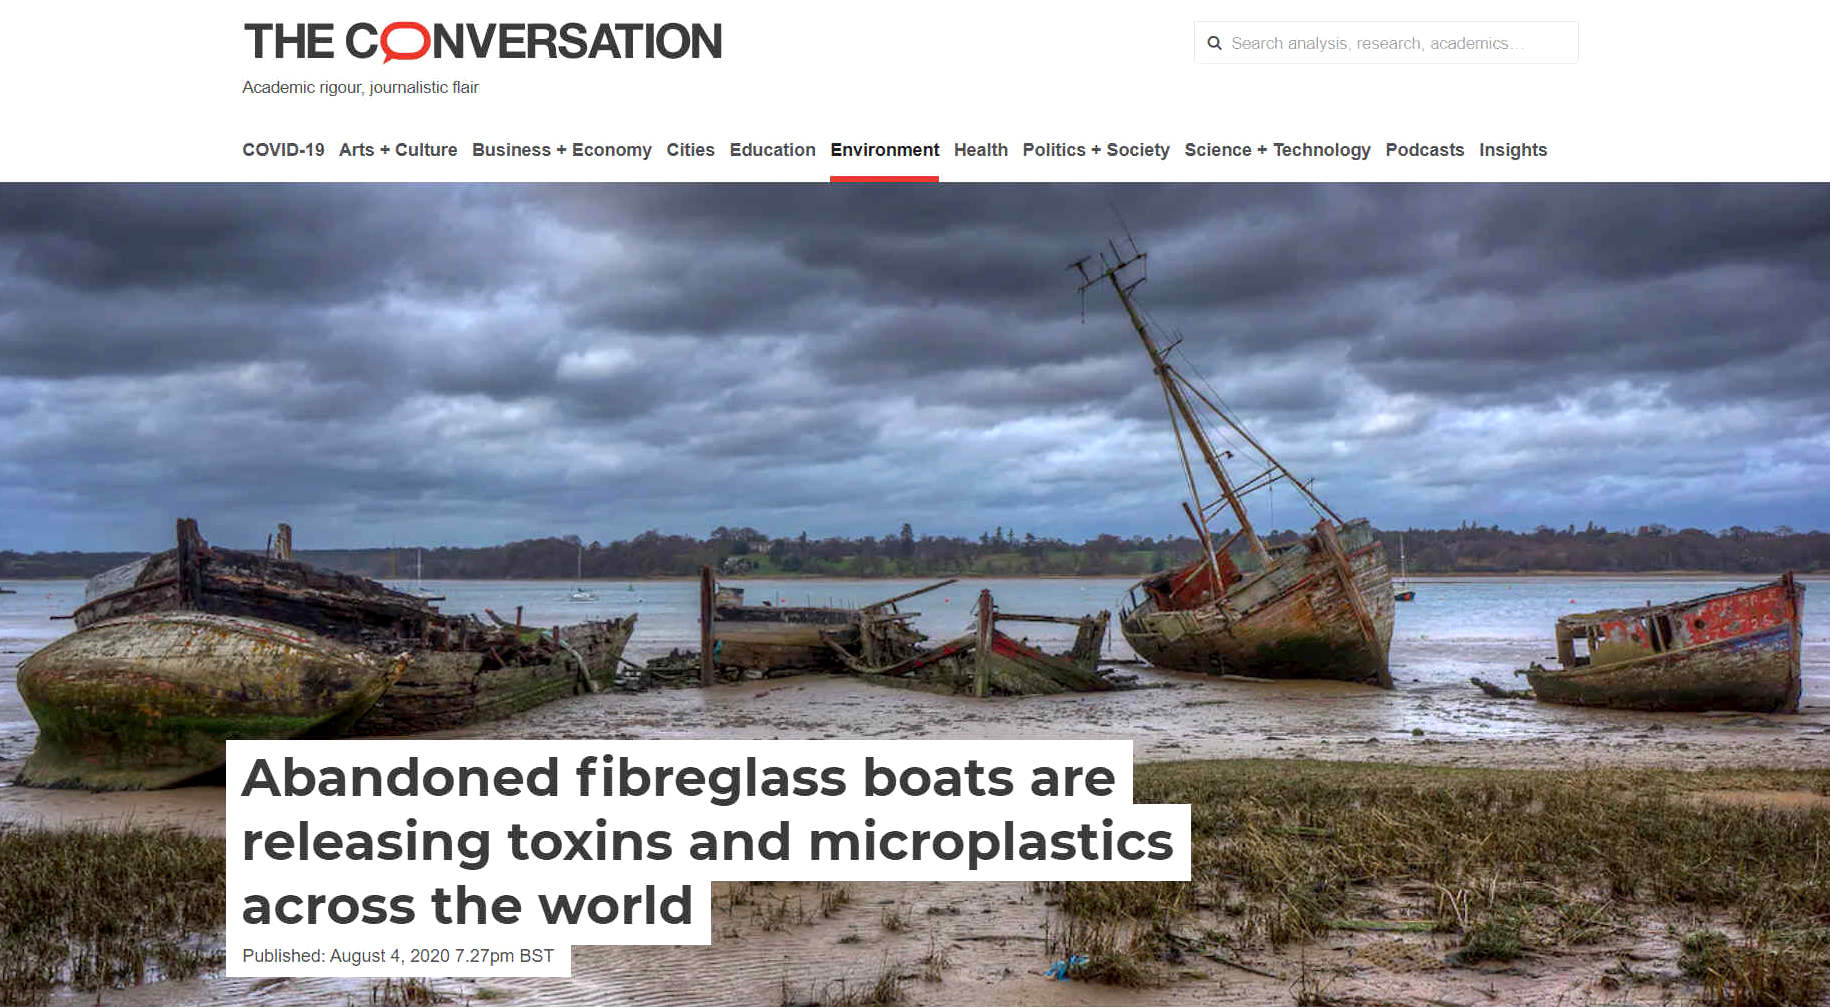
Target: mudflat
pixel 1289 773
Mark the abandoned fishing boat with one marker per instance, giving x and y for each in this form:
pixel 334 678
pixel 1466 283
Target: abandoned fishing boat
pixel 776 639
pixel 1734 650
pixel 178 652
pixel 1318 607
pixel 988 661
pixel 146 700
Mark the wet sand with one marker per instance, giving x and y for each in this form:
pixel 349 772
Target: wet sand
pixel 1174 716
pixel 992 936
pixel 992 945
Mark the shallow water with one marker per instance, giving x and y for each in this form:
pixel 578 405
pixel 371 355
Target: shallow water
pixel 1456 627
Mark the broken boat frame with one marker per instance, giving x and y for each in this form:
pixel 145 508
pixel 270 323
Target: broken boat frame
pixel 989 661
pixel 775 639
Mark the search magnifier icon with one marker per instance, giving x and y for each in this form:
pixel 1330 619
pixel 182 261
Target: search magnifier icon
pixel 1213 41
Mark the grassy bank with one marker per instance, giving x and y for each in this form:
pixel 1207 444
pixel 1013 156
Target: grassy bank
pixel 1511 863
pixel 104 908
pixel 1728 870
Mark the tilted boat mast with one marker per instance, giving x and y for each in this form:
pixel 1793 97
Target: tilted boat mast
pixel 1172 388
pixel 1176 389
pixel 1227 624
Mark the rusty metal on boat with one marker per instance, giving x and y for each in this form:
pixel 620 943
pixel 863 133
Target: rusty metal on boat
pixel 178 652
pixel 1317 607
pixel 1734 650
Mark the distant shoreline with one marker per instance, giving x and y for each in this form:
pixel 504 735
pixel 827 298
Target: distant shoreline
pixel 1430 576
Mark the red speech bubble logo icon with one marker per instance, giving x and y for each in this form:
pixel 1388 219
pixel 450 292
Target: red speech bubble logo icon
pixel 392 54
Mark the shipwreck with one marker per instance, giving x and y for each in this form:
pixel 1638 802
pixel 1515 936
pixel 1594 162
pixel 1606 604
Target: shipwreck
pixel 877 644
pixel 1734 650
pixel 988 661
pixel 1318 607
pixel 175 653
pixel 778 639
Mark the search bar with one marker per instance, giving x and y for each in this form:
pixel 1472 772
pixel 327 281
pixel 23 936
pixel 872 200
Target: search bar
pixel 1349 42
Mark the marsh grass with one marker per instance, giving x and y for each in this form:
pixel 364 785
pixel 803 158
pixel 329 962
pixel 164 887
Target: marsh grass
pixel 410 992
pixel 833 898
pixel 106 908
pixel 894 918
pixel 1499 936
pixel 885 989
pixel 1585 921
pixel 1763 969
pixel 779 913
pixel 1515 859
pixel 935 964
pixel 1117 952
pixel 1310 988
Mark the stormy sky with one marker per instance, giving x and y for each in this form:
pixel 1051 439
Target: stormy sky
pixel 473 364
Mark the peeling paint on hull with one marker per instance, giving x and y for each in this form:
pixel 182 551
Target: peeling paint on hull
pixel 1292 622
pixel 147 701
pixel 1748 674
pixel 1733 650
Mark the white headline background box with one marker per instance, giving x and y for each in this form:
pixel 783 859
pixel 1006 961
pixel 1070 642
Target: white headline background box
pixel 334 908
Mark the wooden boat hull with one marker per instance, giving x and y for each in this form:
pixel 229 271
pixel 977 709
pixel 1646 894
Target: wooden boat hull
pixel 1755 673
pixel 1293 621
pixel 1735 650
pixel 439 690
pixel 781 639
pixel 1013 668
pixel 990 662
pixel 203 578
pixel 147 701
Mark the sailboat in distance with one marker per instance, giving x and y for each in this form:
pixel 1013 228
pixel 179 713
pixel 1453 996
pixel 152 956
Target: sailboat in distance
pixel 1405 592
pixel 579 592
pixel 420 590
pixel 1320 607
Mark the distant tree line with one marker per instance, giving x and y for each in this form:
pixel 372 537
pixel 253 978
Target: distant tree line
pixel 1469 549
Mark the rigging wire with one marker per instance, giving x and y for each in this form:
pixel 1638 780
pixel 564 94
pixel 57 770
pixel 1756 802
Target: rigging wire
pixel 1225 411
pixel 1232 445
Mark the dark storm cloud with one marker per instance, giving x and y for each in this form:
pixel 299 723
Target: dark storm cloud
pixel 471 363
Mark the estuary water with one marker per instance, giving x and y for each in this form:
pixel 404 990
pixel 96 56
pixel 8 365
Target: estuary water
pixel 1456 628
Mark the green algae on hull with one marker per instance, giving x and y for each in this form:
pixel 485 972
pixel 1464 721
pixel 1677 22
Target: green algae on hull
pixel 147 701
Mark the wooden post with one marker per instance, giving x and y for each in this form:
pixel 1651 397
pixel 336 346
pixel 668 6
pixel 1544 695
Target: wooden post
pixel 517 621
pixel 1331 544
pixel 981 678
pixel 707 605
pixel 867 635
pixel 190 579
pixel 282 543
